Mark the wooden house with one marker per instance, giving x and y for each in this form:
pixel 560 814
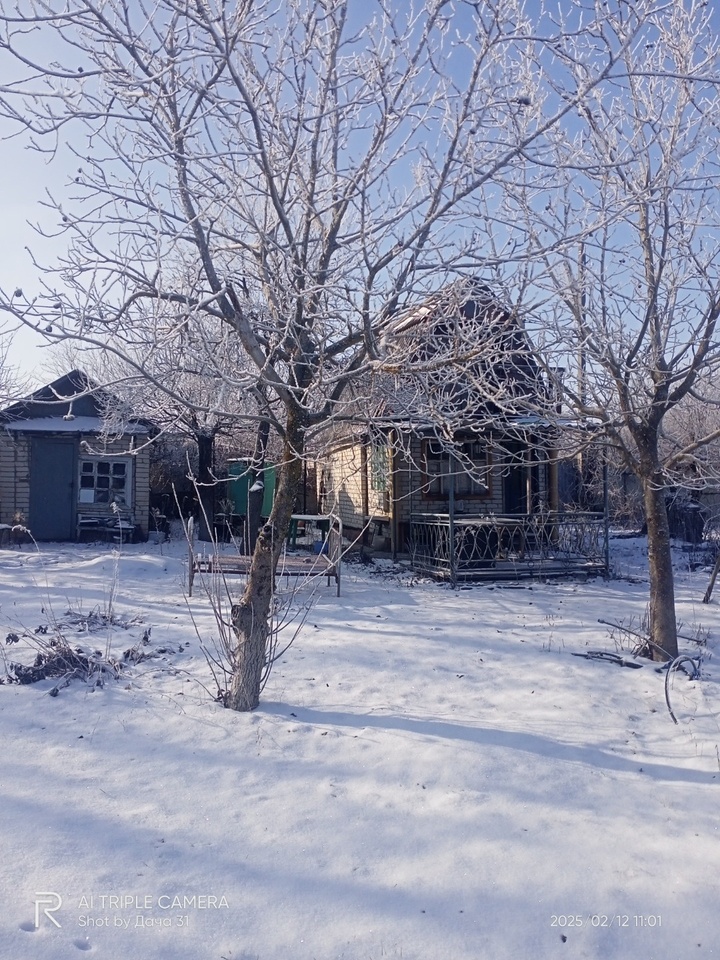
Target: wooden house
pixel 457 464
pixel 64 474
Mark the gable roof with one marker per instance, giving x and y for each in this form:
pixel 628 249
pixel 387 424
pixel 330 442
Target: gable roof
pixel 463 356
pixel 71 404
pixel 459 363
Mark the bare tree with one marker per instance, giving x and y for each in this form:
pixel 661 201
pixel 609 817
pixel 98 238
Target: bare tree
pixel 14 383
pixel 633 302
pixel 191 380
pixel 324 158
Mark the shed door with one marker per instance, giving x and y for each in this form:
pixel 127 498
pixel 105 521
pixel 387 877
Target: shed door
pixel 52 488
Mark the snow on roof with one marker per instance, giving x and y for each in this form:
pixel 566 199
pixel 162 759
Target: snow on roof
pixel 447 301
pixel 74 425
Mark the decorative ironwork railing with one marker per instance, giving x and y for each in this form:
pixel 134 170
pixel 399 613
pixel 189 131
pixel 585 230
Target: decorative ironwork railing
pixel 475 547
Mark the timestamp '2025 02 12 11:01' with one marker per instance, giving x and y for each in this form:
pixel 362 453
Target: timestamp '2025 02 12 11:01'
pixel 631 920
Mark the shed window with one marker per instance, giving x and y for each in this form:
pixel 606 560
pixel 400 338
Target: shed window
pixel 105 481
pixel 468 467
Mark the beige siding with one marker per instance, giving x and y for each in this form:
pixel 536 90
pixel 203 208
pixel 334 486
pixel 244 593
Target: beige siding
pixel 343 482
pixel 350 486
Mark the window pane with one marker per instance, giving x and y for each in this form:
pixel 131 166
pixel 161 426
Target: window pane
pixel 104 481
pixel 379 467
pixel 468 468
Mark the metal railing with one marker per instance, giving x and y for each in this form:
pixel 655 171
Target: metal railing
pixel 500 546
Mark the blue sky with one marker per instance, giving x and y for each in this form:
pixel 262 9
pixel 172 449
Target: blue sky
pixel 27 175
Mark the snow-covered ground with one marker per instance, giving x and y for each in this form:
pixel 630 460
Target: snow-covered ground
pixel 431 775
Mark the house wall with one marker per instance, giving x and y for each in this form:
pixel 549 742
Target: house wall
pixel 95 447
pixel 15 477
pixel 347 487
pixel 141 488
pixel 342 487
pixel 411 499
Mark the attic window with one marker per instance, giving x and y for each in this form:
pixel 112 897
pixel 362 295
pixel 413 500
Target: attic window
pixel 104 481
pixel 468 468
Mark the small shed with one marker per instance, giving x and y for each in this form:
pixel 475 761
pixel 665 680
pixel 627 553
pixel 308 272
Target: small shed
pixel 60 466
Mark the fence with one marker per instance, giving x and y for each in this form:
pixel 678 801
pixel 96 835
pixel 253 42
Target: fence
pixel 508 546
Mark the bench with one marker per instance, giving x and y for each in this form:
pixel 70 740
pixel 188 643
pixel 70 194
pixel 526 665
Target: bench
pixel 115 527
pixel 324 558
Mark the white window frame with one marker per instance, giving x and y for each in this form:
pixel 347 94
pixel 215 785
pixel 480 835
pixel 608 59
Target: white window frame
pixel 83 490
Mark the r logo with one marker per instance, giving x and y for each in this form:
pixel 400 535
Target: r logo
pixel 51 903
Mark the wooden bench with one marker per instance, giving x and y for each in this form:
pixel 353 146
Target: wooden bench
pixel 323 560
pixel 117 527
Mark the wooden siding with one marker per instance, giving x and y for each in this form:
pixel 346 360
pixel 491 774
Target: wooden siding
pixel 347 487
pixel 141 489
pixel 343 486
pixel 122 446
pixel 410 498
pixel 343 473
pixel 14 478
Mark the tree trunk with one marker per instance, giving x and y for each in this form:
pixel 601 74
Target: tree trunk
pixel 256 498
pixel 663 626
pixel 206 485
pixel 251 617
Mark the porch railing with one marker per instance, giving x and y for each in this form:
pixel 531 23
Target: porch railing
pixel 508 546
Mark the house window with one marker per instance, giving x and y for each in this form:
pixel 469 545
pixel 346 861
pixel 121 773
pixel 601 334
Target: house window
pixel 105 481
pixel 379 467
pixel 468 467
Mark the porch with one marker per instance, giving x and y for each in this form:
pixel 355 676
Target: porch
pixel 509 547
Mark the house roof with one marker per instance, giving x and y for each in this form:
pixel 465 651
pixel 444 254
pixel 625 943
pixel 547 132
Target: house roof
pixel 72 424
pixel 466 329
pixel 71 404
pixel 459 356
pixel 449 301
pixel 459 363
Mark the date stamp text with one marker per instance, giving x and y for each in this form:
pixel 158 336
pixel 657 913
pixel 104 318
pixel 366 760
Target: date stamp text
pixel 629 920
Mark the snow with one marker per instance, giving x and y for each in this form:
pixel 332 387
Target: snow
pixel 431 774
pixel 72 425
